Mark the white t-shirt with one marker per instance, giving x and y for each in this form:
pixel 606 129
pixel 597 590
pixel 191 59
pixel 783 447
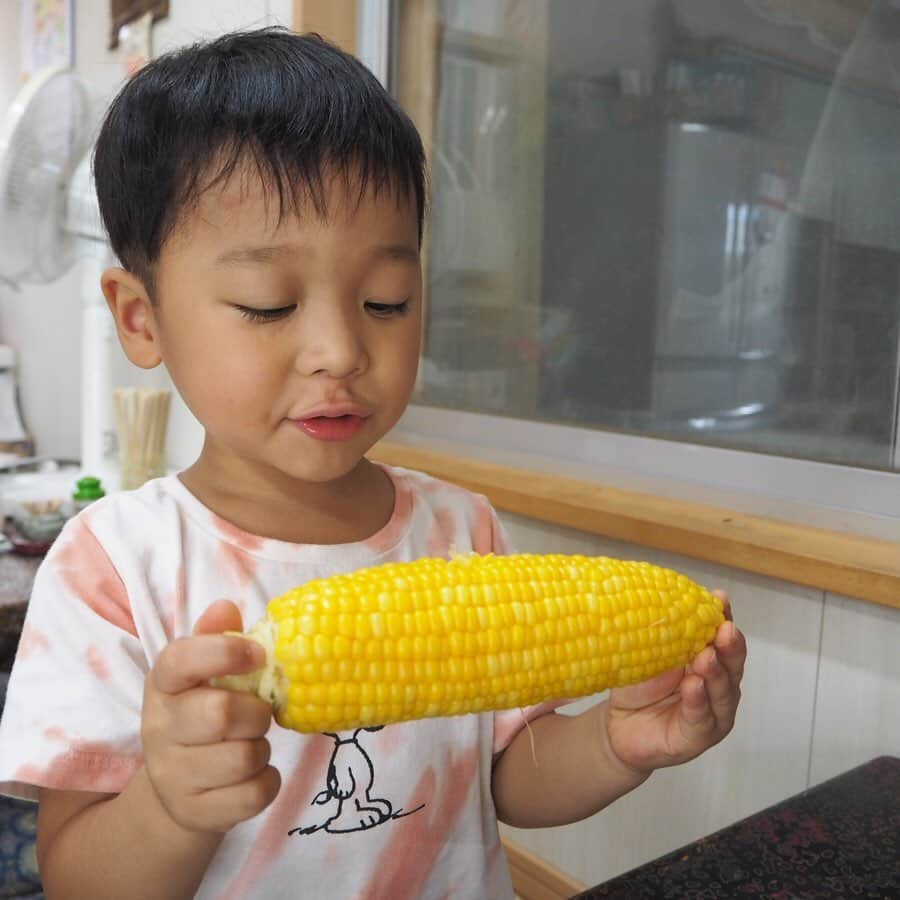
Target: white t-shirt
pixel 136 570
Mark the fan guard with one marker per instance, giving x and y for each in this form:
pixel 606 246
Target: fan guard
pixel 45 135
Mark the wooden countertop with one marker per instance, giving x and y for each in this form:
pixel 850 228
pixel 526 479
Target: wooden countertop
pixel 860 567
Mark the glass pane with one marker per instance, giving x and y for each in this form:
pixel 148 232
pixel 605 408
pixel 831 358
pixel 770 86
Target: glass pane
pixel 678 219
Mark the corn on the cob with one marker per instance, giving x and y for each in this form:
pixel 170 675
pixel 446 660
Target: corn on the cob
pixel 437 638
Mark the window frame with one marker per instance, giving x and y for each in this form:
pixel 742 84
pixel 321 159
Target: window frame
pixel 847 498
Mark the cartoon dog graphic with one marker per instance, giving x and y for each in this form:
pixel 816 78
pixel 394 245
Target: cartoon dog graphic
pixel 347 799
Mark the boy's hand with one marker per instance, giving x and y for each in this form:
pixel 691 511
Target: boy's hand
pixel 677 715
pixel 205 750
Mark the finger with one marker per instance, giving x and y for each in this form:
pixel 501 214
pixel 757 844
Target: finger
pixel 646 693
pixel 208 715
pixel 193 661
pixel 228 763
pixel 696 712
pixel 721 692
pixel 731 648
pixel 221 616
pixel 726 604
pixel 219 809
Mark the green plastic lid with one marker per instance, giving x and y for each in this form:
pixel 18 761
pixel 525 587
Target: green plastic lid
pixel 88 488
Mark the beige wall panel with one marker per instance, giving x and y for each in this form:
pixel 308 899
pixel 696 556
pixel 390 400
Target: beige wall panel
pixel 858 700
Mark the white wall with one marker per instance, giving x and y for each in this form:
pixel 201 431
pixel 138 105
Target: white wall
pixel 43 323
pixel 9 51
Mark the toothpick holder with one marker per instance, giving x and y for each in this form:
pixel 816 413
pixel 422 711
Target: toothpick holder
pixel 142 418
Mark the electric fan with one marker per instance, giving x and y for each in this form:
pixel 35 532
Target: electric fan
pixel 49 220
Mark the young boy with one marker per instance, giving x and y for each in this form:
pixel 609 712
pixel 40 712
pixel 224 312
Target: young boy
pixel 266 197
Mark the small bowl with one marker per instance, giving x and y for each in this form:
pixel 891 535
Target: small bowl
pixel 41 528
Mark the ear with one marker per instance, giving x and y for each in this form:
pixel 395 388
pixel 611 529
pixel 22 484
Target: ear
pixel 133 313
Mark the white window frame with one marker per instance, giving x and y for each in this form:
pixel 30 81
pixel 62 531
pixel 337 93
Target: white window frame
pixel 846 498
pixel 373 36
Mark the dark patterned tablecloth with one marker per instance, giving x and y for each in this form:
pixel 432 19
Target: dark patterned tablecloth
pixel 19 876
pixel 836 841
pixel 16 579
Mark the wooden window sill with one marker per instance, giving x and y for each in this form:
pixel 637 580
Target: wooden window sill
pixel 860 567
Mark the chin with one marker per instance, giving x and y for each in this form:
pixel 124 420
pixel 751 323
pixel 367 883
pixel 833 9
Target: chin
pixel 330 470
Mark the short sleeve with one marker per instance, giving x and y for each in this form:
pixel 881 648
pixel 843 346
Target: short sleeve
pixel 501 542
pixel 73 706
pixel 488 533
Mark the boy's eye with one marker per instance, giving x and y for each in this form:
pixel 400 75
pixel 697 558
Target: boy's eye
pixel 383 310
pixel 255 314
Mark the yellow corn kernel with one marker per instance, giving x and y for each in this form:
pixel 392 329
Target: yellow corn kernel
pixel 441 637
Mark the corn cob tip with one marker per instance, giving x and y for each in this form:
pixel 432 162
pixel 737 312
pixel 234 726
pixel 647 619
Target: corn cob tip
pixel 268 682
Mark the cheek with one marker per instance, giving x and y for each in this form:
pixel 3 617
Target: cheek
pixel 216 379
pixel 405 355
pixel 395 361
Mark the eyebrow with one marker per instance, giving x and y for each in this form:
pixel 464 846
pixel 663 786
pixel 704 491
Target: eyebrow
pixel 242 255
pixel 266 254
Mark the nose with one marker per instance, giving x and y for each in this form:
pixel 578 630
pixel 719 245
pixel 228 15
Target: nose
pixel 332 343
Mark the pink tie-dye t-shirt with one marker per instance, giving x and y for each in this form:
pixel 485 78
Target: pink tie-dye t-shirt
pixel 400 812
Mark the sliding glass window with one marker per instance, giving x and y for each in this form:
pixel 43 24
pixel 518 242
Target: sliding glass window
pixel 671 218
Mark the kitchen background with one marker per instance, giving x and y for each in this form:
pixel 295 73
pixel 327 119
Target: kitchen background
pixel 662 218
pixel 671 217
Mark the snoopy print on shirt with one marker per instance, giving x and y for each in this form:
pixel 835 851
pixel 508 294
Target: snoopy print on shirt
pixel 348 804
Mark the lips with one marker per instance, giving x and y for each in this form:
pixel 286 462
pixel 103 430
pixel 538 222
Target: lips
pixel 331 428
pixel 330 421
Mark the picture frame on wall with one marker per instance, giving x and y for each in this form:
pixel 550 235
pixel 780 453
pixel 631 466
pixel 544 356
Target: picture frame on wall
pixel 121 12
pixel 48 34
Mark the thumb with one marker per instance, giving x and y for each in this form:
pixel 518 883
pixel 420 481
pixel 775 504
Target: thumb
pixel 646 693
pixel 223 615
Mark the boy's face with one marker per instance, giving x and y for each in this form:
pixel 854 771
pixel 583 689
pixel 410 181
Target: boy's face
pixel 294 344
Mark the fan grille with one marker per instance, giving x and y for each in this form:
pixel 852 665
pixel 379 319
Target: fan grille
pixel 47 131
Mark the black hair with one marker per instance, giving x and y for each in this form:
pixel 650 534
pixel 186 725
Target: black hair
pixel 295 106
